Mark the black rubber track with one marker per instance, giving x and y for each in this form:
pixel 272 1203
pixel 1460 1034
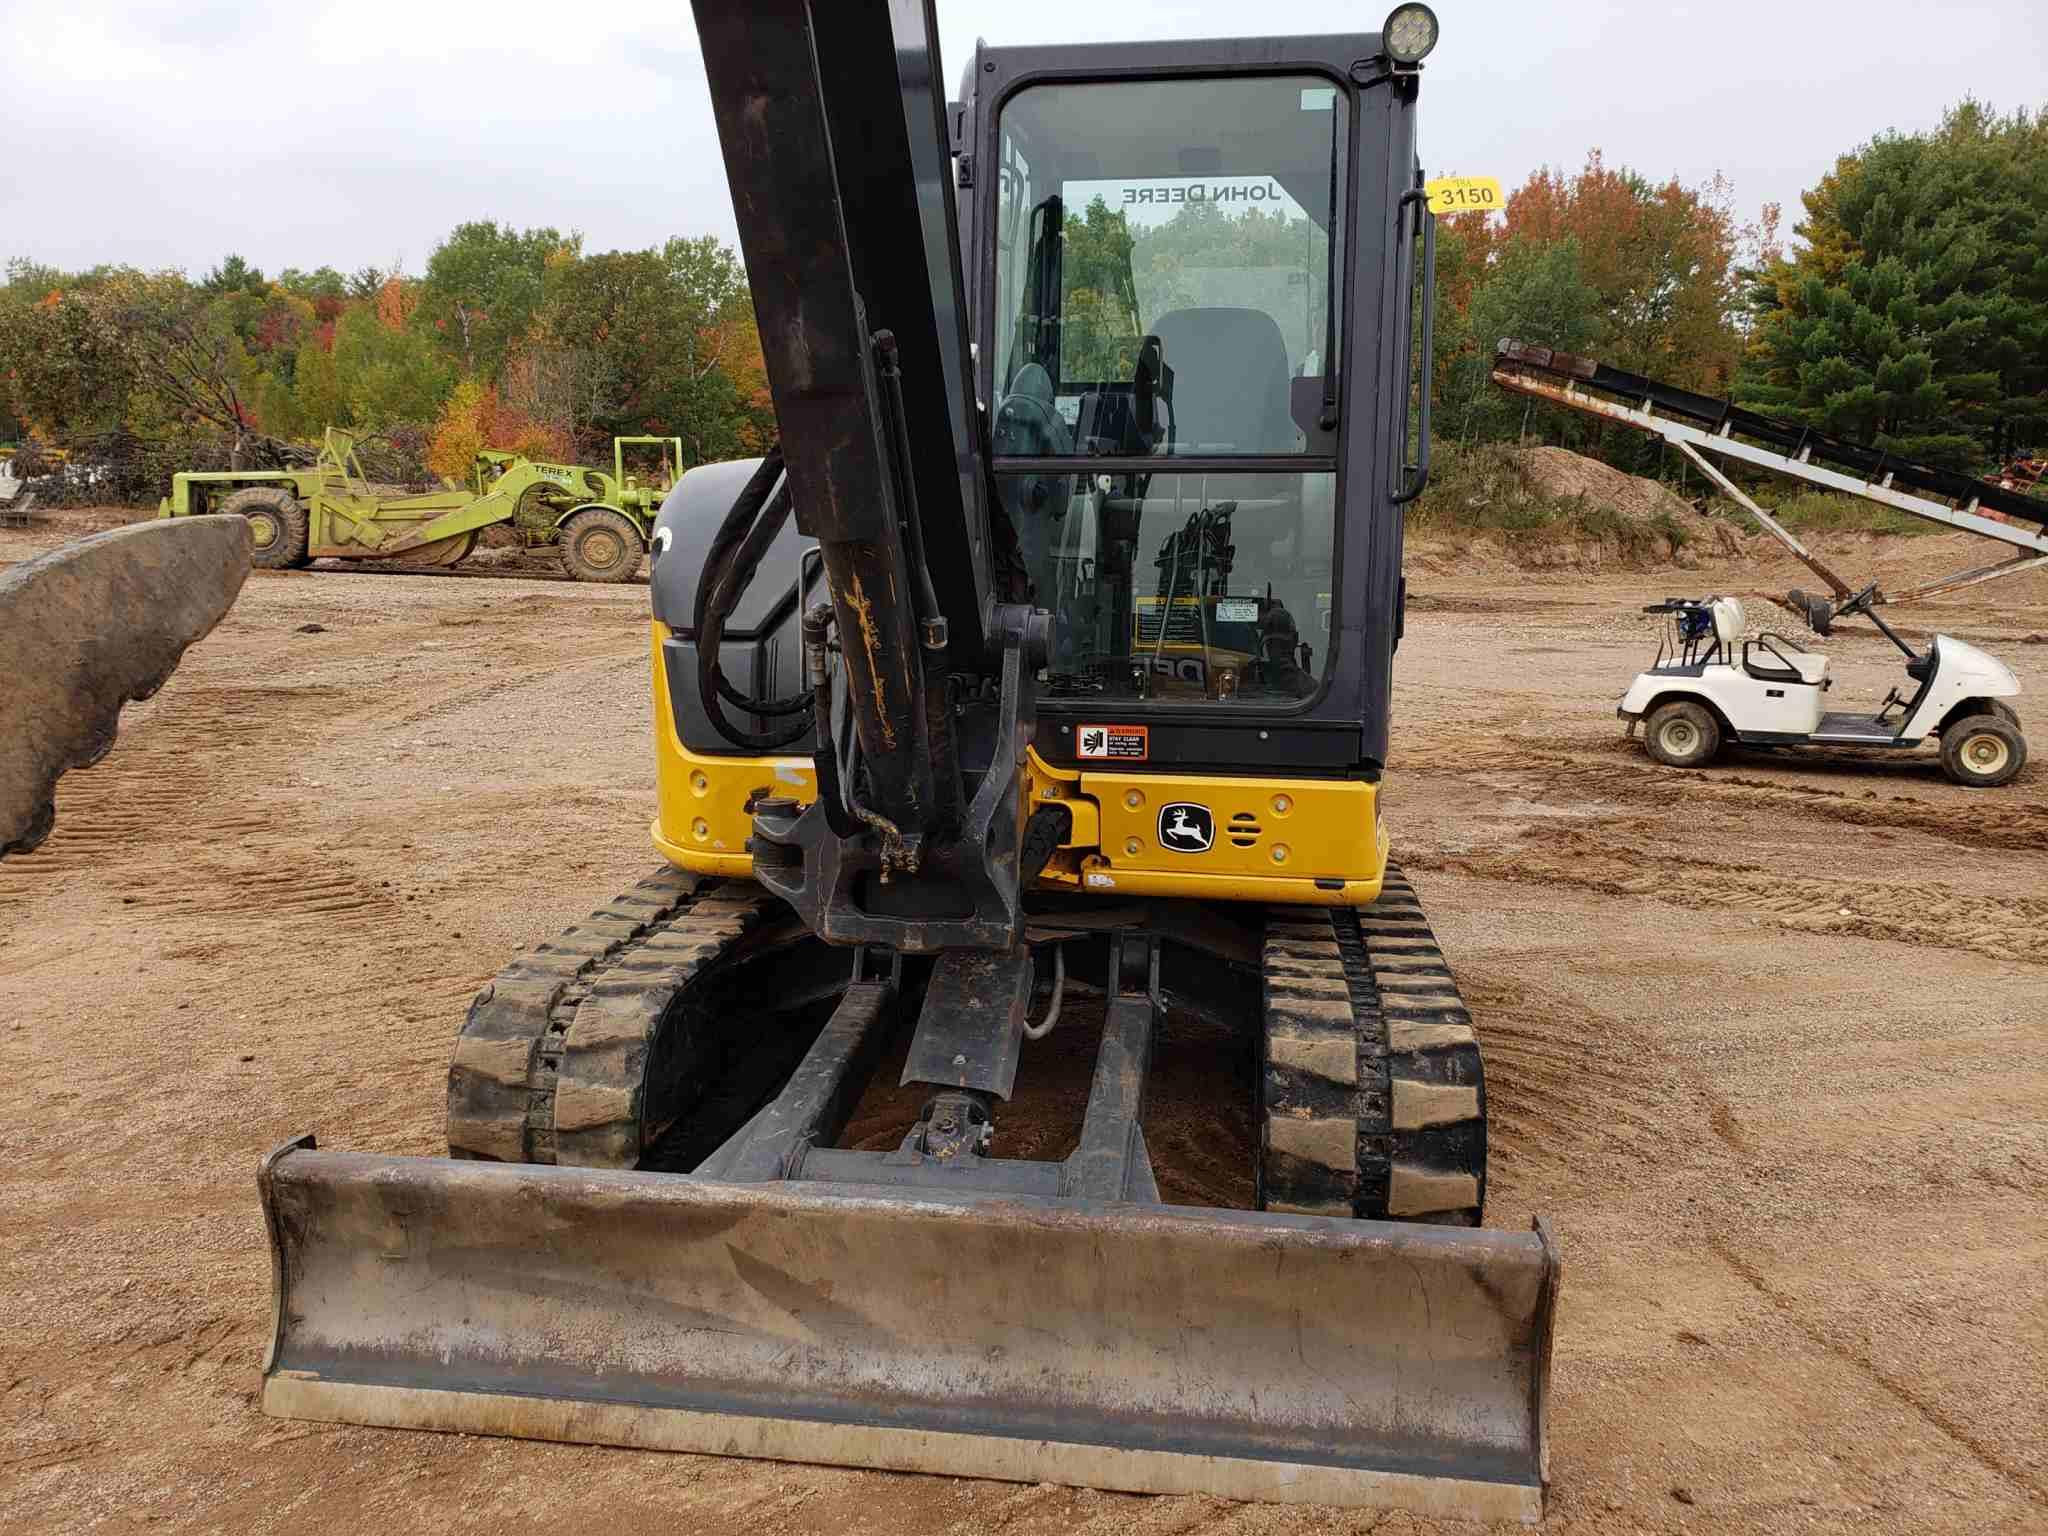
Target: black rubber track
pixel 1372 1095
pixel 526 1040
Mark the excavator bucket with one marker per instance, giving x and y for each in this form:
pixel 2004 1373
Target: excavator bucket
pixel 89 628
pixel 1118 1345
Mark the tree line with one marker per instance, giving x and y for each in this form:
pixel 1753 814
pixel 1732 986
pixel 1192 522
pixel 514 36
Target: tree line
pixel 511 338
pixel 1911 314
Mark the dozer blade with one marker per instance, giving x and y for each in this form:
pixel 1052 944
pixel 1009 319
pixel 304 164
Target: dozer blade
pixel 1141 1348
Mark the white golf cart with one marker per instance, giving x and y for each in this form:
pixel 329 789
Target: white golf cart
pixel 1712 685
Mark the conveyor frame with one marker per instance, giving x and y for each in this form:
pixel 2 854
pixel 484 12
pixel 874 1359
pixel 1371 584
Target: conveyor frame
pixel 1698 424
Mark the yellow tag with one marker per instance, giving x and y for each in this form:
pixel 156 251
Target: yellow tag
pixel 1464 194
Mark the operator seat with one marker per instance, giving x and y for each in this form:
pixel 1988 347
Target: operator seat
pixel 1811 666
pixel 1230 381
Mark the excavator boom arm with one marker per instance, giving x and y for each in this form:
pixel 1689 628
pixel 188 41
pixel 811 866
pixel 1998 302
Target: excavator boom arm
pixel 833 132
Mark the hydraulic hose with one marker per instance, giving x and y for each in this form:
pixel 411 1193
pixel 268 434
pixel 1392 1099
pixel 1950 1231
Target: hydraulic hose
pixel 739 518
pixel 743 539
pixel 892 383
pixel 933 638
pixel 1059 991
pixel 737 576
pixel 817 625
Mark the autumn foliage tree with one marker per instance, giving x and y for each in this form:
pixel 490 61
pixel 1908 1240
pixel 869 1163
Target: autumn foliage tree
pixel 1644 274
pixel 484 284
pixel 63 370
pixel 670 331
pixel 1661 258
pixel 735 342
pixel 475 418
pixel 512 339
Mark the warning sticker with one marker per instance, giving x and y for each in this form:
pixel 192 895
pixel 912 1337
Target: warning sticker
pixel 1118 743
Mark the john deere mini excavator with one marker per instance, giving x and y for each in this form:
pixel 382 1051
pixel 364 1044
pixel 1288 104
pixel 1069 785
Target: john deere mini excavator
pixel 1049 654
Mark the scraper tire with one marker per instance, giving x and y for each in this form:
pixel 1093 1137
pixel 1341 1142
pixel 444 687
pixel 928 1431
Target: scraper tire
pixel 277 525
pixel 599 544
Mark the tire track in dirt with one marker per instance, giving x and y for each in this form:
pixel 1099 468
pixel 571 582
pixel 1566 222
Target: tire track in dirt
pixel 266 880
pixel 207 1342
pixel 63 1453
pixel 410 981
pixel 1942 916
pixel 183 816
pixel 190 771
pixel 2020 1478
pixel 471 689
pixel 1569 1090
pixel 1619 773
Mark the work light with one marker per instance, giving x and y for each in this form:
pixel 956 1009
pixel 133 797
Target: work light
pixel 1411 31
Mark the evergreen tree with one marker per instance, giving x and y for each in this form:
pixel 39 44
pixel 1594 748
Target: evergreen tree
pixel 233 275
pixel 1917 317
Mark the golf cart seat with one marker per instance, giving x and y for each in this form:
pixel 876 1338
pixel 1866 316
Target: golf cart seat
pixel 1771 658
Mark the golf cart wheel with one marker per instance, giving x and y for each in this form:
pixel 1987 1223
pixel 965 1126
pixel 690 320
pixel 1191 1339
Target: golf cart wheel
pixel 599 544
pixel 277 526
pixel 1982 752
pixel 1682 734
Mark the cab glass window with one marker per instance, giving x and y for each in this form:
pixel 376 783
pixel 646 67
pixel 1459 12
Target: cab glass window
pixel 1164 251
pixel 1162 297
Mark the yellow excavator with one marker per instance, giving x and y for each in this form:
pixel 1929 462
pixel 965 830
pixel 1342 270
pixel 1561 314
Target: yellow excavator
pixel 1043 669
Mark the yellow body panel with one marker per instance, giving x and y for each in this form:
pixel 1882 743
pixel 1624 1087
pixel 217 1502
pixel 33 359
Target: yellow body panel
pixel 1317 842
pixel 702 816
pixel 1275 837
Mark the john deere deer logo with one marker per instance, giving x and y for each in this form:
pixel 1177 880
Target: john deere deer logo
pixel 1186 828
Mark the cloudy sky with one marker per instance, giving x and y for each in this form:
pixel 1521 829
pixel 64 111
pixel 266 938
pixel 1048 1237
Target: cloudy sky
pixel 169 132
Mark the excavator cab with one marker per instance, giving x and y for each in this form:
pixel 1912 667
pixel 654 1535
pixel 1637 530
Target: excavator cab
pixel 1038 677
pixel 1165 348
pixel 1162 262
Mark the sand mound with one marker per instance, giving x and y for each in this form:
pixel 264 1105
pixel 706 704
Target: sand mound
pixel 1543 508
pixel 1566 476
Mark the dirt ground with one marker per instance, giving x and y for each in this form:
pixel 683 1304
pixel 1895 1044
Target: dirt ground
pixel 1768 1044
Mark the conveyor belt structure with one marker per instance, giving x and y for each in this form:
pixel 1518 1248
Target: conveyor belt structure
pixel 1697 425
